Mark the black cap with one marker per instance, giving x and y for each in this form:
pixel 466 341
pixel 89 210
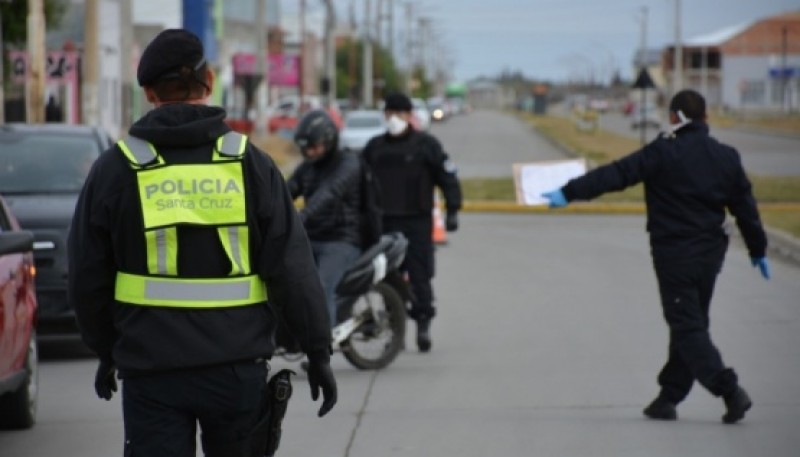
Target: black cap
pixel 397 102
pixel 170 50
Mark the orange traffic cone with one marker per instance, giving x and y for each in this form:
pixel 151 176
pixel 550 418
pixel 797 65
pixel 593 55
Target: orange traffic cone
pixel 439 232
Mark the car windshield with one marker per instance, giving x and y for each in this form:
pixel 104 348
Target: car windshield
pixel 44 162
pixel 363 122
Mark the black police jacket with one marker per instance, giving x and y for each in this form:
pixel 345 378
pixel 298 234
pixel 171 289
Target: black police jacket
pixel 690 179
pixel 331 188
pixel 408 168
pixel 107 236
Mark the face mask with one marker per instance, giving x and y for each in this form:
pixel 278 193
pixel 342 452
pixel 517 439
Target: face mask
pixel 396 126
pixel 683 121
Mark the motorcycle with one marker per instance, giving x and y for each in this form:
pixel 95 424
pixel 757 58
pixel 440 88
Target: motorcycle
pixel 371 307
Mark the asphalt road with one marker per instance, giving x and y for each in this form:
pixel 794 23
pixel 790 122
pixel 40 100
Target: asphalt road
pixel 488 143
pixel 548 342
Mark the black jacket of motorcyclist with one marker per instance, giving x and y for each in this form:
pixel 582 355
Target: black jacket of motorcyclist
pixel 689 179
pixel 409 166
pixel 107 237
pixel 329 183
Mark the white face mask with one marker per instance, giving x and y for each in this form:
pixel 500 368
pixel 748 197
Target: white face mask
pixel 682 120
pixel 396 126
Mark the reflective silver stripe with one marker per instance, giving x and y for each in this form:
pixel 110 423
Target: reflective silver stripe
pixel 142 150
pixel 161 290
pixel 161 251
pixel 233 238
pixel 232 144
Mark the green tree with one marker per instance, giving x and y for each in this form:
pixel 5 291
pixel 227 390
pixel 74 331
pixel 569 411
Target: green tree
pixel 15 18
pixel 349 60
pixel 15 25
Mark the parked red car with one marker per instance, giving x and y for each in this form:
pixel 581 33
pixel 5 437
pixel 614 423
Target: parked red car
pixel 19 359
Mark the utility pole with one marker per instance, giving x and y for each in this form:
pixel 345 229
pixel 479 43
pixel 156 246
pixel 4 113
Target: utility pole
pixel 390 42
pixel 351 58
pixel 330 52
pixel 379 22
pixel 704 71
pixel 36 61
pixel 261 65
pixel 91 47
pixel 367 64
pixel 784 69
pixel 409 48
pixel 2 72
pixel 643 65
pixel 677 72
pixel 126 61
pixel 424 39
pixel 302 78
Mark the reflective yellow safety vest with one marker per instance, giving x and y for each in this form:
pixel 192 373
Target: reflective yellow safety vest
pixel 209 194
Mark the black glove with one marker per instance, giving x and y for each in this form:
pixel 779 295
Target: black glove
pixel 451 221
pixel 105 383
pixel 321 376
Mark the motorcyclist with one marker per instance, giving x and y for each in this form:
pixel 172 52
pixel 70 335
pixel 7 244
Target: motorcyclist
pixel 329 182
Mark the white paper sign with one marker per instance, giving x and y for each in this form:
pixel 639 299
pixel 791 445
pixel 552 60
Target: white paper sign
pixel 534 179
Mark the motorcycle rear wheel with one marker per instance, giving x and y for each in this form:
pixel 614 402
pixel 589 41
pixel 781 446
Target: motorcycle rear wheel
pixel 376 343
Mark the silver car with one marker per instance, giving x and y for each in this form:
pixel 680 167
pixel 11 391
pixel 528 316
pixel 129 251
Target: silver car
pixel 359 127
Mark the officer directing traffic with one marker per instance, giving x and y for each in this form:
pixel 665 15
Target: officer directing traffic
pixel 690 179
pixel 409 164
pixel 184 246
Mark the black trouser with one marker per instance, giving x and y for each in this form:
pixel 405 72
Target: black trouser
pixel 161 411
pixel 419 263
pixel 686 288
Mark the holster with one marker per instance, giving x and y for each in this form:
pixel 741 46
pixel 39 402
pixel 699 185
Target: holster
pixel 266 435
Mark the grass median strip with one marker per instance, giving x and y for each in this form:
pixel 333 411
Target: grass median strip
pixel 778 197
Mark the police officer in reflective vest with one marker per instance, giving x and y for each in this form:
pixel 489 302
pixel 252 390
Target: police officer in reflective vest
pixel 184 247
pixel 409 164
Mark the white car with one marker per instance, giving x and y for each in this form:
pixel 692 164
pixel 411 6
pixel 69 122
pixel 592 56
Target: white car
pixel 359 127
pixel 421 113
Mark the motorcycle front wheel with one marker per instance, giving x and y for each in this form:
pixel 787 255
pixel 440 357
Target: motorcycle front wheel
pixel 381 335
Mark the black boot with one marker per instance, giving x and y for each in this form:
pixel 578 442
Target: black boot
pixel 424 334
pixel 737 404
pixel 661 409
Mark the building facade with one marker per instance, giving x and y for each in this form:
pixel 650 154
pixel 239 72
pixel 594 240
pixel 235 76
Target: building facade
pixel 750 67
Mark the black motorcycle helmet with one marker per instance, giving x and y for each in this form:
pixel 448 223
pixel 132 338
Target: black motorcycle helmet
pixel 314 128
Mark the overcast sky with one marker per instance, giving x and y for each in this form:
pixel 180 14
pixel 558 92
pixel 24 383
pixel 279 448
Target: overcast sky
pixel 545 39
pixel 563 39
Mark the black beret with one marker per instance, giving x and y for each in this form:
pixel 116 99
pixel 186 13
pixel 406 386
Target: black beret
pixel 170 50
pixel 397 102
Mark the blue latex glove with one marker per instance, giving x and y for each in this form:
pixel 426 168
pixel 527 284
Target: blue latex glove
pixel 557 198
pixel 762 264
